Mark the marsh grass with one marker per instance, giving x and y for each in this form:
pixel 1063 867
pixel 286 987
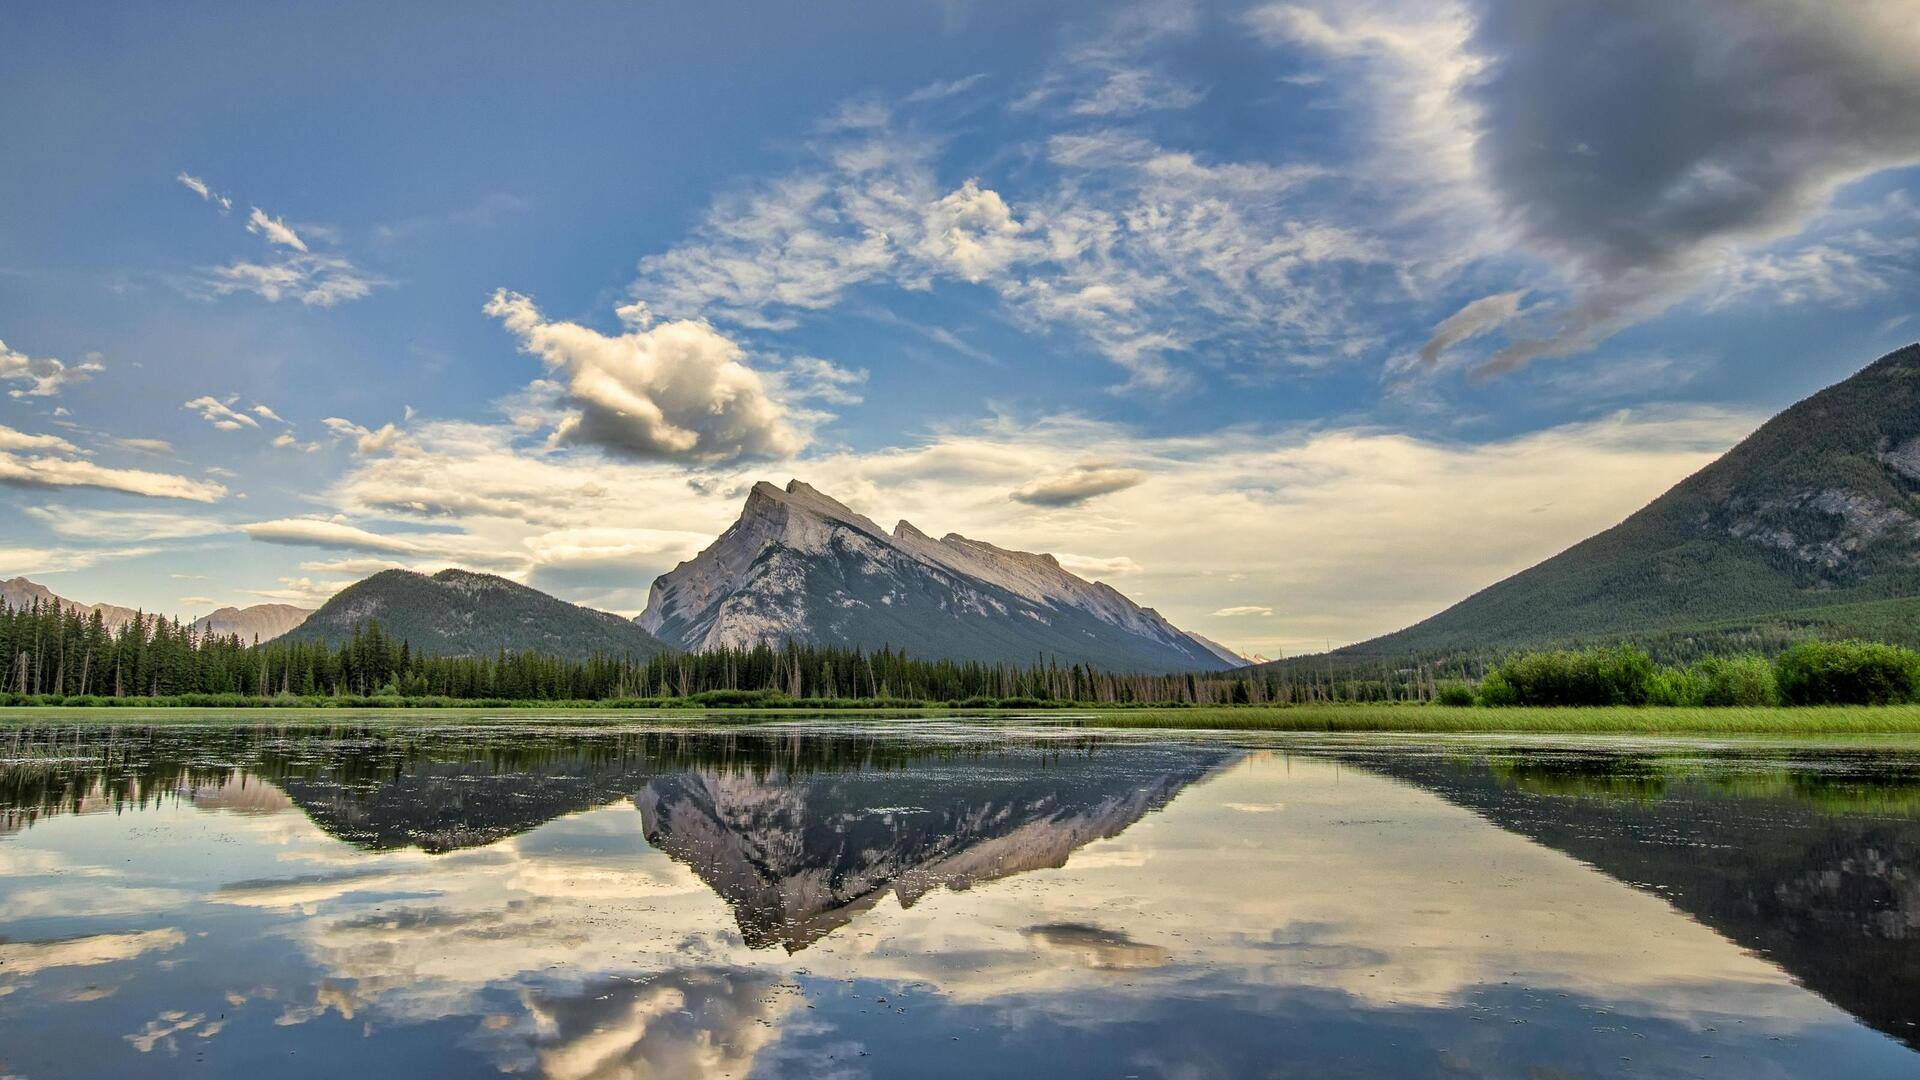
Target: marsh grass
pixel 1630 720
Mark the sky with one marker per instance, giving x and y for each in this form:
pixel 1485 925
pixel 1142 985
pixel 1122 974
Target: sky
pixel 1297 321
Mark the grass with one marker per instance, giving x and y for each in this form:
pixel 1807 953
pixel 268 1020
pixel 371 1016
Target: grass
pixel 1405 718
pixel 1624 720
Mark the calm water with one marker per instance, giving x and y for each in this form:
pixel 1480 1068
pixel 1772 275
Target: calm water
pixel 943 900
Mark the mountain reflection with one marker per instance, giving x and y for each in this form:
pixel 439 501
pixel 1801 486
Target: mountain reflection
pixel 1818 870
pixel 797 833
pixel 962 901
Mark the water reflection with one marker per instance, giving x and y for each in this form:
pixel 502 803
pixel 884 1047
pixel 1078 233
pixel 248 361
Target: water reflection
pixel 856 903
pixel 1815 866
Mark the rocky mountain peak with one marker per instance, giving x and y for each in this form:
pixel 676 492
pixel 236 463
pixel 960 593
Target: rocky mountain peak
pixel 800 565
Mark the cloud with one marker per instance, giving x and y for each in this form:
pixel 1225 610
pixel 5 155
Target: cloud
pixel 45 376
pixel 1478 317
pixel 365 440
pixel 336 534
pixel 201 188
pixel 1630 147
pixel 275 230
pixel 1242 611
pixel 19 467
pixel 267 413
pixel 940 91
pixel 1144 252
pixel 20 440
pixel 811 378
pixel 1093 566
pixel 1077 485
pixel 1104 75
pixel 302 591
pixel 145 446
pixel 316 280
pixel 1343 532
pixel 676 391
pixel 221 414
pixel 125 524
pixel 23 560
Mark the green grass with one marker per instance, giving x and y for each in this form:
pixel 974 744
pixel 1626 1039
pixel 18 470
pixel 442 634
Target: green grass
pixel 1624 720
pixel 1413 719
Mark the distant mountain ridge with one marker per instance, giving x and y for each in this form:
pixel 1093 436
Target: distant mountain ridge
pixel 19 592
pixel 460 613
pixel 1816 515
pixel 800 566
pixel 260 622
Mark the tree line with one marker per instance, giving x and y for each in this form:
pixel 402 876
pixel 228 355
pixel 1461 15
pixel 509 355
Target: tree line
pixel 59 653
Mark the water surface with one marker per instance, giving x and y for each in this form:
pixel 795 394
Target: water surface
pixel 947 899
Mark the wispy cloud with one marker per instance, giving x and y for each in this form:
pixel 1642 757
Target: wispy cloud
pixel 47 461
pixel 221 413
pixel 44 376
pixel 314 278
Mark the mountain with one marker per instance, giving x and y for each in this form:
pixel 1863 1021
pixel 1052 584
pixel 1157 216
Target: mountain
pixel 262 622
pixel 19 592
pixel 1813 521
pixel 457 613
pixel 799 566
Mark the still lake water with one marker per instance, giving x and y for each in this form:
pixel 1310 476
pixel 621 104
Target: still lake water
pixel 946 899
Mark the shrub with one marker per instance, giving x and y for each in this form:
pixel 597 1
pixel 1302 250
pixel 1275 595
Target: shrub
pixel 1496 690
pixel 1737 680
pixel 1847 673
pixel 1621 675
pixel 1677 686
pixel 1453 693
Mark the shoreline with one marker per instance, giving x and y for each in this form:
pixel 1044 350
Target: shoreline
pixel 1395 718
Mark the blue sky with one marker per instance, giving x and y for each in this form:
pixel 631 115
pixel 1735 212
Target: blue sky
pixel 1297 321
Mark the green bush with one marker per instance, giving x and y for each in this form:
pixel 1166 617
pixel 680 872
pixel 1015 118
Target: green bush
pixel 1622 675
pixel 1453 693
pixel 1847 673
pixel 1737 680
pixel 1677 686
pixel 1496 690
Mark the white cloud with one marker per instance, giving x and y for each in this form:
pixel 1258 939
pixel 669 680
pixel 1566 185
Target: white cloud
pixel 1145 252
pixel 302 591
pixel 201 188
pixel 365 440
pixel 221 414
pixel 316 280
pixel 1343 533
pixel 940 91
pixel 1476 318
pixel 20 440
pixel 267 413
pixel 673 391
pixel 275 230
pixel 1242 611
pixel 337 534
pixel 20 467
pixel 25 560
pixel 125 524
pixel 805 378
pixel 45 376
pixel 145 446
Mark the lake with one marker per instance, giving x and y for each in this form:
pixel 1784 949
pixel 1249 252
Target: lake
pixel 947 898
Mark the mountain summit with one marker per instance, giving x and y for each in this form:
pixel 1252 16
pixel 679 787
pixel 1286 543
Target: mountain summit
pixel 460 613
pixel 800 566
pixel 1813 520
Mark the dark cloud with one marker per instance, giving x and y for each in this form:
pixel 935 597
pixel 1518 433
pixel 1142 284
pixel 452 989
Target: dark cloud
pixel 1637 142
pixel 1077 485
